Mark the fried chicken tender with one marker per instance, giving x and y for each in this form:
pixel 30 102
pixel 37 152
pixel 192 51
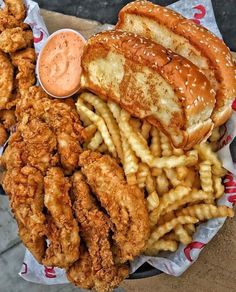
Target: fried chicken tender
pixel 3 135
pixel 7 21
pixel 24 61
pixel 62 118
pixel 34 144
pixel 16 8
pixel 63 230
pixel 8 118
pixel 24 187
pixel 6 79
pixel 125 204
pixel 95 229
pixel 13 39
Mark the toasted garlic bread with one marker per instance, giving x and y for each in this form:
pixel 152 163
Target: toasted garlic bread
pixel 151 83
pixel 189 40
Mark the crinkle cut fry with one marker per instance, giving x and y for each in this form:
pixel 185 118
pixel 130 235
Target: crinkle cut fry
pixel 140 147
pixel 161 230
pixel 125 204
pixel 206 211
pixel 161 245
pixel 95 229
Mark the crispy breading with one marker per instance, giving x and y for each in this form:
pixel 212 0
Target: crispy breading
pixel 13 39
pixel 125 204
pixel 63 230
pixel 25 189
pixel 95 230
pixel 6 79
pixel 16 8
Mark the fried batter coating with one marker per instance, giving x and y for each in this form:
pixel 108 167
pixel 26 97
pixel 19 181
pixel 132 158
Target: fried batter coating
pixel 24 187
pixel 24 60
pixel 16 8
pixel 6 79
pixel 13 39
pixel 62 118
pixel 8 118
pixel 125 204
pixel 95 229
pixel 3 135
pixel 63 230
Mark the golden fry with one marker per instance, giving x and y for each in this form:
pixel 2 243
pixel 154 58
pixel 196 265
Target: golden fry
pixel 142 174
pixel 168 226
pixel 161 244
pixel 206 176
pixel 206 211
pixel 218 187
pixel 190 228
pixel 171 174
pixel 165 145
pixel 182 234
pixel 100 125
pixel 145 129
pixel 162 183
pixel 95 142
pixel 155 146
pixel 175 194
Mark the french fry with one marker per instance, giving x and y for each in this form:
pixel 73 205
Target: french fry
pixel 162 184
pixel 85 120
pixel 155 146
pixel 115 109
pixel 142 174
pixel 152 201
pixel 100 125
pixel 136 124
pixel 182 234
pixel 168 226
pixel 177 151
pixel 89 131
pixel 104 111
pixel 130 161
pixel 190 228
pixel 175 194
pixel 140 147
pixel 206 211
pixel 206 176
pixel 182 172
pixel 205 153
pixel 145 129
pixel 161 245
pixel 156 171
pixel 192 197
pixel 95 142
pixel 171 174
pixel 218 187
pixel 190 178
pixel 165 145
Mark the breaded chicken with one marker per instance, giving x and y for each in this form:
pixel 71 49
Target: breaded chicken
pixel 16 8
pixel 63 230
pixel 24 61
pixel 13 39
pixel 34 144
pixel 125 204
pixel 95 230
pixel 62 118
pixel 6 79
pixel 25 189
pixel 81 275
pixel 3 135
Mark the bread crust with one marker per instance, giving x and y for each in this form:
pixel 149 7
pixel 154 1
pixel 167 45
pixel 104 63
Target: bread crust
pixel 210 46
pixel 178 72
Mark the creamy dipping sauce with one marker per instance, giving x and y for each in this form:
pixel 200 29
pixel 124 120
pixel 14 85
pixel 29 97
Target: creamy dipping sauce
pixel 59 64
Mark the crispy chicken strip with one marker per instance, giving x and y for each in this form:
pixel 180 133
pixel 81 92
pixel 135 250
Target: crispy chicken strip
pixel 80 273
pixel 62 117
pixel 125 204
pixel 24 61
pixel 6 79
pixel 3 135
pixel 16 8
pixel 8 118
pixel 24 187
pixel 13 39
pixel 63 230
pixel 95 229
pixel 34 143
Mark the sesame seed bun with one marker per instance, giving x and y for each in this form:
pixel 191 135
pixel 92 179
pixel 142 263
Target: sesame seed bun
pixel 151 83
pixel 190 40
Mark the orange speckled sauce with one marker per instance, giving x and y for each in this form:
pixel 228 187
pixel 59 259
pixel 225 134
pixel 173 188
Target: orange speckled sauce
pixel 59 65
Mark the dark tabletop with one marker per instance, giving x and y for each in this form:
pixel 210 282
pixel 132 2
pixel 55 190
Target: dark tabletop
pixel 107 10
